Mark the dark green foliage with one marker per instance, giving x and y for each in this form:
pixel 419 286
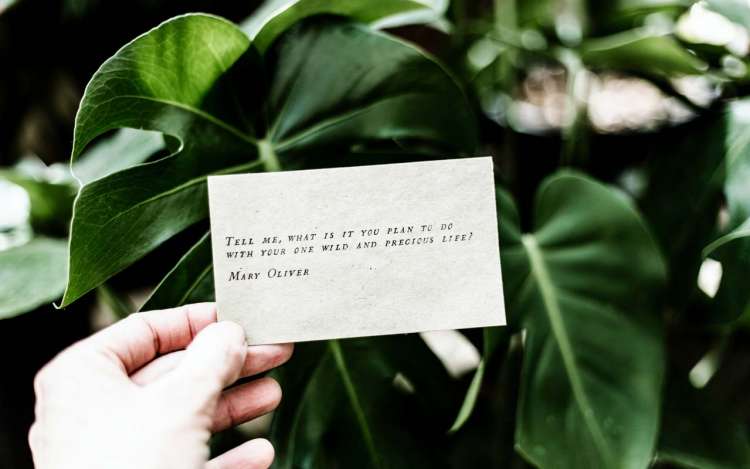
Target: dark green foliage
pixel 610 343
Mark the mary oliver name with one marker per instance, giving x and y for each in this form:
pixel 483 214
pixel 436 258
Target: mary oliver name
pixel 273 272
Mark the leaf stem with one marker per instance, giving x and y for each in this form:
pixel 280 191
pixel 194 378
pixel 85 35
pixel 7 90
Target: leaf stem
pixel 268 156
pixel 351 391
pixel 557 324
pixel 574 132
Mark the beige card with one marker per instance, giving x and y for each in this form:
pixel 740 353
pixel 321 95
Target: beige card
pixel 357 251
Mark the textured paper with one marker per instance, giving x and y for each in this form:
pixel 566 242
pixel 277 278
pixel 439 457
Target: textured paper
pixel 357 251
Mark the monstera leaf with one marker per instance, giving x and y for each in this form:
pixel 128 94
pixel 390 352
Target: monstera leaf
pixel 324 87
pixel 593 359
pixel 582 284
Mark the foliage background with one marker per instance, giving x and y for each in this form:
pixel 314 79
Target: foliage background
pixel 620 135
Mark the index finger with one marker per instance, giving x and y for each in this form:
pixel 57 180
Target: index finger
pixel 141 337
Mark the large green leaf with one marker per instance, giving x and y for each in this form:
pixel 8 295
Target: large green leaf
pixel 331 85
pixel 593 360
pixel 31 275
pixel 276 16
pixel 173 79
pixel 362 403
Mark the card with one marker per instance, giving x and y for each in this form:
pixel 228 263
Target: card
pixel 357 251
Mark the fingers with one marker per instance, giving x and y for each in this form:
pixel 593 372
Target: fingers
pixel 259 358
pixel 140 337
pixel 212 361
pixel 245 402
pixel 253 454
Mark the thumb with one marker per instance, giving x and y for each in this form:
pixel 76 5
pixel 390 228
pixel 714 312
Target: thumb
pixel 213 361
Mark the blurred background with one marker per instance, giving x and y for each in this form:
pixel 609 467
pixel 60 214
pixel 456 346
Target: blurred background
pixel 605 87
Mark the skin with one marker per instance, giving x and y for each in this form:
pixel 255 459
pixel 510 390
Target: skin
pixel 148 392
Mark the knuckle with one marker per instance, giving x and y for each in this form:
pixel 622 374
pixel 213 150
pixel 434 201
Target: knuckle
pixel 237 353
pixel 233 416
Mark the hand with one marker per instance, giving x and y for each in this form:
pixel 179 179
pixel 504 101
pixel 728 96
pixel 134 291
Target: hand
pixel 129 396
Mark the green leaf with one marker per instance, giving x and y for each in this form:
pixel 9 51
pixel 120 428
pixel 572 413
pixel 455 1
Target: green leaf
pixel 197 79
pixel 190 281
pixel 403 94
pixel 175 79
pixel 31 275
pixel 593 363
pixel 698 432
pixel 374 399
pixel 274 17
pixel 493 339
pixel 168 80
pixel 639 50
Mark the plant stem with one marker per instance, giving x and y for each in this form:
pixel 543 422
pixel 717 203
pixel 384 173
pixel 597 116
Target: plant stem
pixel 506 15
pixel 268 156
pixel 551 301
pixel 574 132
pixel 351 391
